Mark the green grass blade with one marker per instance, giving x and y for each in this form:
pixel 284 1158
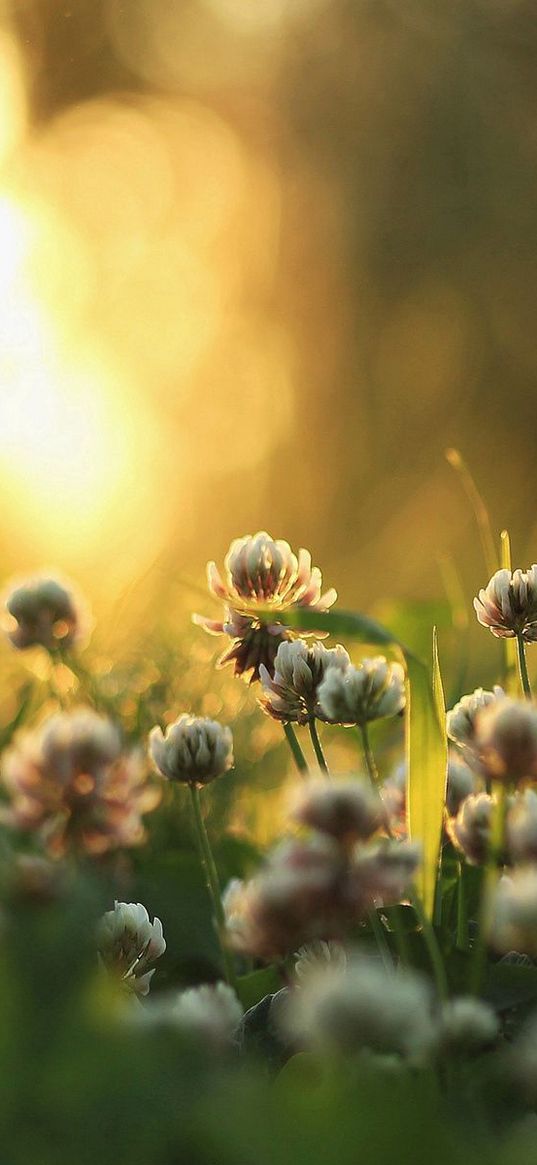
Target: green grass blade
pixel 510 669
pixel 426 745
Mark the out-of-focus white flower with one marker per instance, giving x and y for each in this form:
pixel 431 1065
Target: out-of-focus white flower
pixel 461 720
pixel 348 810
pixel 261 575
pixel 508 604
pixel 382 874
pixel 315 956
pixel 362 1007
pixel 44 612
pixel 193 750
pixel 128 944
pixel 232 899
pixel 514 913
pixel 208 1015
pixel 291 696
pixel 371 691
pixel 70 782
pixel 506 740
pixel 467 1026
pixel 521 827
pixel 470 830
pixel 461 782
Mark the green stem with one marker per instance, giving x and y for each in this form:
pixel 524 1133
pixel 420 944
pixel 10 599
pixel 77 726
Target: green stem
pixel 522 667
pixel 462 918
pixel 368 755
pixel 380 939
pixel 298 755
pixel 434 952
pixel 494 856
pixel 213 885
pixel 317 747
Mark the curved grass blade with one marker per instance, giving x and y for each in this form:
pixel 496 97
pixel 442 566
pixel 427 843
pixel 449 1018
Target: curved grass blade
pixel 510 672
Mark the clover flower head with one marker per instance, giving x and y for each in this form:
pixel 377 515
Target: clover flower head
pixel 210 1013
pixel 319 955
pixel 348 810
pixel 506 740
pixel 43 612
pixel 128 944
pixel 461 720
pixel 361 1007
pixel 461 783
pixel 371 691
pixel 71 784
pixel 467 1026
pixel 193 750
pixel 291 694
pixel 513 924
pixel 382 874
pixel 470 830
pixel 508 604
pixel 261 576
pixel 521 827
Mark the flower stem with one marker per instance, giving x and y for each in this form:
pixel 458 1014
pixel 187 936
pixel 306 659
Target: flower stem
pixel 522 667
pixel 317 747
pixel 462 918
pixel 298 755
pixel 433 950
pixel 368 755
pixel 213 885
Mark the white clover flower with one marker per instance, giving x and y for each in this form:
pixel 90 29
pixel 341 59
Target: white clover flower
pixel 371 691
pixel 43 612
pixel 383 874
pixel 232 902
pixel 347 810
pixel 461 720
pixel 521 827
pixel 461 783
pixel 514 913
pixel 210 1012
pixel 319 955
pixel 508 604
pixel 363 1007
pixel 506 740
pixel 261 574
pixel 128 943
pixel 470 830
pixel 291 696
pixel 194 750
pixel 466 1026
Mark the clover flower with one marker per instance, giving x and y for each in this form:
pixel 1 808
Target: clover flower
pixel 382 874
pixel 513 924
pixel 505 740
pixel 508 604
pixel 470 830
pixel 461 782
pixel 261 575
pixel 291 696
pixel 356 695
pixel 347 810
pixel 467 1026
pixel 521 827
pixel 209 1013
pixel 319 955
pixel 128 944
pixel 363 1008
pixel 43 612
pixel 70 783
pixel 461 720
pixel 193 750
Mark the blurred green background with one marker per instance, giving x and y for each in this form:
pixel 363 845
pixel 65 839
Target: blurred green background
pixel 262 263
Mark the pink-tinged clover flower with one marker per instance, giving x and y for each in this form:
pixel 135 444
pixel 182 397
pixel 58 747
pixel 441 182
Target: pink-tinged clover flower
pixel 291 694
pixel 261 577
pixel 508 604
pixel 194 750
pixel 43 612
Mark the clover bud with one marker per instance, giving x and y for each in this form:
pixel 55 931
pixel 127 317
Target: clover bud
pixel 514 913
pixel 319 955
pixel 347 810
pixel 193 750
pixel 467 1026
pixel 371 691
pixel 470 830
pixel 291 695
pixel 43 612
pixel 506 740
pixel 461 720
pixel 128 943
pixel 521 827
pixel 508 604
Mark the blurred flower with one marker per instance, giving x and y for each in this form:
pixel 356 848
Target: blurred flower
pixel 70 782
pixel 348 810
pixel 508 604
pixel 514 913
pixel 194 750
pixel 261 575
pixel 128 943
pixel 521 827
pixel 369 692
pixel 470 830
pixel 363 1007
pixel 383 874
pixel 461 782
pixel 318 955
pixel 461 720
pixel 43 612
pixel 467 1026
pixel 232 899
pixel 298 670
pixel 505 740
pixel 210 1013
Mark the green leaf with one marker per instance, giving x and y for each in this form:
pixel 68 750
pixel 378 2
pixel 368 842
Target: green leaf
pixel 426 770
pixel 351 623
pixel 255 986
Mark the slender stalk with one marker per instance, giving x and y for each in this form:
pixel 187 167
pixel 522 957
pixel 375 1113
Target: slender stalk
pixel 368 755
pixel 380 939
pixel 523 667
pixel 433 950
pixel 462 916
pixel 479 508
pixel 318 748
pixel 213 885
pixel 298 755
